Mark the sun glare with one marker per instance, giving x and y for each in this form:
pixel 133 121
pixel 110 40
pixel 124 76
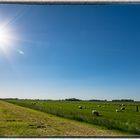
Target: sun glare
pixel 5 38
pixel 8 40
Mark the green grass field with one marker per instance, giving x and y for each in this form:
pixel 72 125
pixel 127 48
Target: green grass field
pixel 17 121
pixel 127 120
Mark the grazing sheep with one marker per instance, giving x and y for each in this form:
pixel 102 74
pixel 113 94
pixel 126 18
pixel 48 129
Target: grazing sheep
pixel 122 108
pixel 123 105
pixel 80 107
pixel 94 112
pixel 118 110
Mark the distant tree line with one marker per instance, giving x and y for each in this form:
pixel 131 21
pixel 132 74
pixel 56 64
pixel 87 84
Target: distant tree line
pixel 72 99
pixel 8 98
pixel 123 100
pixel 95 100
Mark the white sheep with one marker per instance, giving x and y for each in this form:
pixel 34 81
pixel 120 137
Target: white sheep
pixel 94 112
pixel 122 108
pixel 118 110
pixel 80 107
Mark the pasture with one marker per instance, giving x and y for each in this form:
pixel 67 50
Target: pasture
pixel 17 121
pixel 125 120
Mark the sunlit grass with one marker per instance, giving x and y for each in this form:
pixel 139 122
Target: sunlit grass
pixel 127 120
pixel 17 121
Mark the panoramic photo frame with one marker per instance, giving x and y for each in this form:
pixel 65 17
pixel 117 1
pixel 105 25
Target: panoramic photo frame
pixel 69 69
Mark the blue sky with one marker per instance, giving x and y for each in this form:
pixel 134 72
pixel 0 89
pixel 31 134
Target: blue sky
pixel 65 51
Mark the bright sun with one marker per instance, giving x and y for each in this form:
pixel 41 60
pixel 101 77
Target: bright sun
pixel 8 40
pixel 5 38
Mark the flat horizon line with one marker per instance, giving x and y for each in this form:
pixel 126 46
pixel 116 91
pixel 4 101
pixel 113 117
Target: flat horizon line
pixel 74 99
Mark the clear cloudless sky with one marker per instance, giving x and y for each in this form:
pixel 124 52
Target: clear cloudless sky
pixel 71 51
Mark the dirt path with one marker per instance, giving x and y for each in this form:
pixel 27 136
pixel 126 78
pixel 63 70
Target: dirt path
pixel 19 121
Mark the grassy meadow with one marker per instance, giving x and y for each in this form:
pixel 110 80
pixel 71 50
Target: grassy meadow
pixel 127 120
pixel 17 121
